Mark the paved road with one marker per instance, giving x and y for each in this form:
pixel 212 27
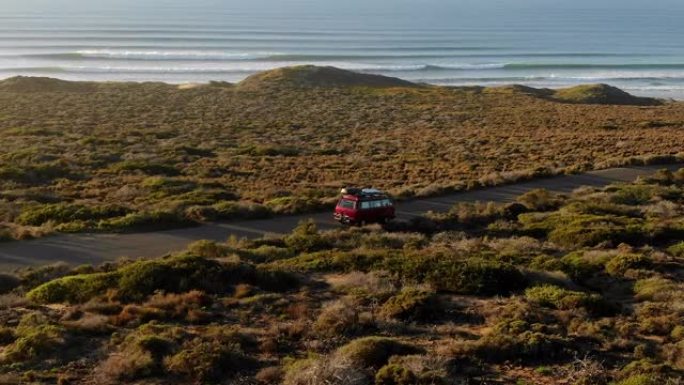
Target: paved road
pixel 96 248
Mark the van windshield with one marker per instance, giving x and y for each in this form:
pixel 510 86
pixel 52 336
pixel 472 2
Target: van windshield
pixel 346 204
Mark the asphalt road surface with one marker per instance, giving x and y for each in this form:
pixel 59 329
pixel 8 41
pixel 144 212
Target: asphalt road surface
pixel 78 249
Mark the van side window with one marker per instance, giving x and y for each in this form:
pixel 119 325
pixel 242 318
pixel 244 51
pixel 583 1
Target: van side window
pixel 365 205
pixel 376 204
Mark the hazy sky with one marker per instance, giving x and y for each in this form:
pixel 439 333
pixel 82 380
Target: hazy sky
pixel 283 5
pixel 618 14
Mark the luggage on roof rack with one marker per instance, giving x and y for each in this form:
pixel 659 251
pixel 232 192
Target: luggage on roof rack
pixel 361 191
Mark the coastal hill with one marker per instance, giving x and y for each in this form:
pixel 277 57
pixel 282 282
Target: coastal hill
pixel 601 94
pixel 28 84
pixel 316 76
pixel 309 76
pixel 581 94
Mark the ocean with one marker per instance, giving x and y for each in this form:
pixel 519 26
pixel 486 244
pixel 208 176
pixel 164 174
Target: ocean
pixel 634 45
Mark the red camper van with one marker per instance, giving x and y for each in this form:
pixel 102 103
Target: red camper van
pixel 361 206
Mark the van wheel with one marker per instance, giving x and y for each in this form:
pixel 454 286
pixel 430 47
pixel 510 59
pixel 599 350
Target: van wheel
pixel 362 223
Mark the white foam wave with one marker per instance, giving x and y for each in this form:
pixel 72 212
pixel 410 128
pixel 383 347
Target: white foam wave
pixel 173 55
pixel 231 67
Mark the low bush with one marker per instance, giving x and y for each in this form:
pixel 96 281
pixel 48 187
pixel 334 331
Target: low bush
pixel 35 337
pixel 374 352
pixel 540 200
pixel 394 375
pixel 639 379
pixel 208 359
pixel 240 210
pixel 342 317
pixel 296 205
pixel 411 304
pixel 583 265
pixel 145 220
pixel 516 340
pixel 473 276
pixel 619 264
pixel 677 250
pixel 324 370
pixel 305 238
pixel 64 213
pixel 73 289
pixel 632 194
pixel 579 230
pixel 178 274
pixel 563 299
pixel 141 353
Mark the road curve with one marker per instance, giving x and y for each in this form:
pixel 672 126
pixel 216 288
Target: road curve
pixel 78 249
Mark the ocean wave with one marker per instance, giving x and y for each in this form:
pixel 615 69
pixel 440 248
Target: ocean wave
pixel 580 66
pixel 226 69
pixel 171 55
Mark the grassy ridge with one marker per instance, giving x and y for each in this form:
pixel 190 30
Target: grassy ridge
pixel 120 156
pixel 544 290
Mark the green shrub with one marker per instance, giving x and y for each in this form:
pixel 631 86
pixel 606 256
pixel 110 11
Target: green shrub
pixel 207 249
pixel 653 288
pixel 267 253
pixel 619 264
pixel 295 205
pixel 578 230
pixel 592 231
pixel 36 337
pixel 142 352
pixel 411 304
pixel 374 352
pixel 341 318
pixel 147 220
pixel 208 360
pixel 179 274
pixel 581 265
pixel 64 213
pixel 241 210
pixel 394 375
pixel 74 289
pixel 516 340
pixel 639 379
pixel 539 200
pixel 473 276
pixel 305 238
pixel 563 299
pixel 677 250
pixel 677 334
pixel 633 194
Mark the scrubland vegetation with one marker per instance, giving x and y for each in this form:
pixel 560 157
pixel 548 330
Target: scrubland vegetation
pixel 117 156
pixel 552 289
